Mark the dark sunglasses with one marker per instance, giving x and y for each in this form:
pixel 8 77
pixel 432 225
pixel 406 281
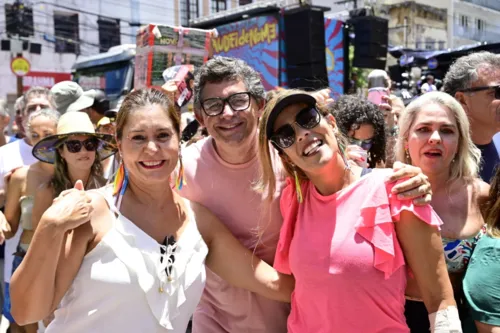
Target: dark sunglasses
pixel 365 144
pixel 284 136
pixel 75 146
pixel 215 106
pixel 497 90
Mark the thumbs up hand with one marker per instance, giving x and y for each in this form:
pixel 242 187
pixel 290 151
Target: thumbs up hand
pixel 71 208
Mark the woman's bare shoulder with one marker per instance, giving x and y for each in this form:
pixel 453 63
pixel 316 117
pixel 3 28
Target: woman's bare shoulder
pixel 480 190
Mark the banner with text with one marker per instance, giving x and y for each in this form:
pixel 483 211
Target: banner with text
pixel 255 41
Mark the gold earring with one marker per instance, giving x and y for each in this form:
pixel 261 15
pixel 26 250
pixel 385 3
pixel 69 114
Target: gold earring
pixel 298 190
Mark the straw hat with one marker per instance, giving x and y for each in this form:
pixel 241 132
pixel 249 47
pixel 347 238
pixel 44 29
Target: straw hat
pixel 73 123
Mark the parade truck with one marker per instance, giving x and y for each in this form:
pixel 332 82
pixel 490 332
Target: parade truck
pixel 111 72
pixel 266 39
pixel 289 42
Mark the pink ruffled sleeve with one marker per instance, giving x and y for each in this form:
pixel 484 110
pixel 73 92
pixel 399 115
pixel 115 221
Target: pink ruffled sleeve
pixel 378 210
pixel 289 207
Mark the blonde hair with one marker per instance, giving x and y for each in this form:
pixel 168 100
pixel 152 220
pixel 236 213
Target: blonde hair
pixel 267 182
pixel 468 156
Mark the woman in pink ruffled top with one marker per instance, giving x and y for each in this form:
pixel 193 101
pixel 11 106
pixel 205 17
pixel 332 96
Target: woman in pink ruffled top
pixel 347 240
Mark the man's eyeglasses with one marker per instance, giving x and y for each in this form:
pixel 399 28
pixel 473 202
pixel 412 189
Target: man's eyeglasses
pixel 33 107
pixel 215 106
pixel 284 137
pixel 75 146
pixel 475 89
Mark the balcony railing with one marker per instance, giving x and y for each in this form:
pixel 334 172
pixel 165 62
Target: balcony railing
pixel 491 4
pixel 477 35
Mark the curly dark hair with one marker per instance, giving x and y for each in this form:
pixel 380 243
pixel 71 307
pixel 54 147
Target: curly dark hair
pixel 350 111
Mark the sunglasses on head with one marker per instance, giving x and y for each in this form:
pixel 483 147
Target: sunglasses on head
pixel 497 90
pixel 365 144
pixel 307 118
pixel 75 146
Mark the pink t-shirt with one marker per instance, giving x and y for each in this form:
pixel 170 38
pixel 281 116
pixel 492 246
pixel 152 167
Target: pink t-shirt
pixel 345 256
pixel 226 190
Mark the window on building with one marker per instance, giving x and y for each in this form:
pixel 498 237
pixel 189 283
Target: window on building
pixel 441 44
pixel 109 33
pixel 480 25
pixel 218 5
pixel 66 32
pixel 464 21
pixel 190 9
pixel 14 15
pixel 244 2
pixel 429 43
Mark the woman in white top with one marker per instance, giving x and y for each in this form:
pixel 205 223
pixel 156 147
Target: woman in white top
pixel 113 274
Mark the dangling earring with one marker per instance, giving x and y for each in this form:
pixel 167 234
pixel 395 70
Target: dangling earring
pixel 407 154
pixel 180 182
pixel 344 158
pixel 298 189
pixel 119 179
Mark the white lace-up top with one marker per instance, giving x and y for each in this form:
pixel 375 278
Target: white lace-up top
pixel 123 286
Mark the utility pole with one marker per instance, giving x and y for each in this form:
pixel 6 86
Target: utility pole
pixel 18 8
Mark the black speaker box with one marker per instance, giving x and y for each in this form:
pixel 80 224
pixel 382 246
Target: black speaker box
pixel 369 62
pixel 370 41
pixel 305 37
pixel 370 50
pixel 305 49
pixel 307 77
pixel 371 29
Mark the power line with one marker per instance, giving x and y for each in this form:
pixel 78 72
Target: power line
pixel 131 23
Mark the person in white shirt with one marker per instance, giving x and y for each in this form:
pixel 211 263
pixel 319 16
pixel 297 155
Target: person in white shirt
pixel 132 260
pixel 4 122
pixel 429 85
pixel 12 156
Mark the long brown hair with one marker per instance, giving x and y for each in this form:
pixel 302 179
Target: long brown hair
pixel 492 207
pixel 61 181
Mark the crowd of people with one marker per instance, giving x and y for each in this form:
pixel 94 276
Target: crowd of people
pixel 280 211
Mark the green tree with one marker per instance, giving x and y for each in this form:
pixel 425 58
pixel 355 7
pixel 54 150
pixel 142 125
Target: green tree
pixel 361 72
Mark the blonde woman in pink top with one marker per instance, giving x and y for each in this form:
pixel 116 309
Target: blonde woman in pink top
pixel 348 241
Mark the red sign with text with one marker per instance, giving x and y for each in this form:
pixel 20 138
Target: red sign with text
pixel 44 79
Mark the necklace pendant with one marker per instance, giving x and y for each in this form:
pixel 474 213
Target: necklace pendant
pixel 160 290
pixel 170 279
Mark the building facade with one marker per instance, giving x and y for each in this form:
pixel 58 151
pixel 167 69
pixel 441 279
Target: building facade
pixel 59 31
pixel 441 24
pixel 476 21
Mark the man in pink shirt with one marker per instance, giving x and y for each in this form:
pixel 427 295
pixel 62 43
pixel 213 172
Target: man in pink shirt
pixel 220 172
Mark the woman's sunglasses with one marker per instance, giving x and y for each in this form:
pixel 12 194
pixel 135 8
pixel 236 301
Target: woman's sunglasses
pixel 284 137
pixel 75 146
pixel 365 144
